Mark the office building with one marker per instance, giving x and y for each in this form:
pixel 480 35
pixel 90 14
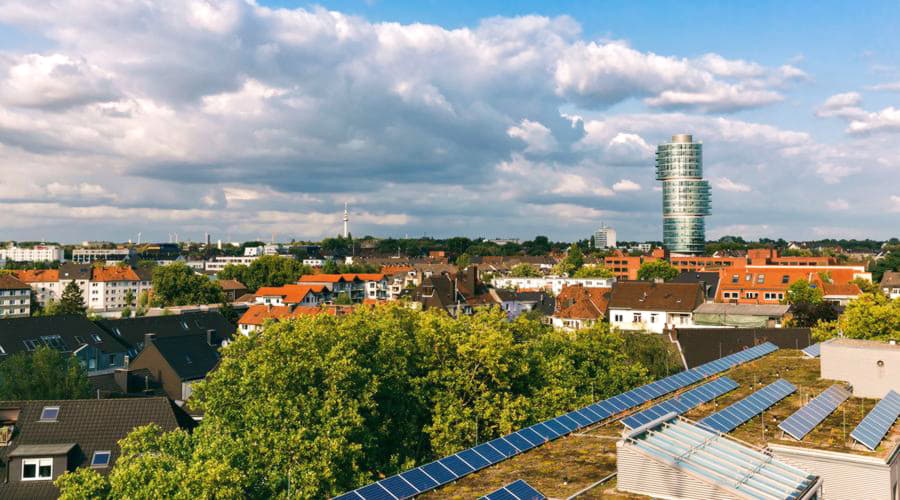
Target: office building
pixel 605 237
pixel 679 165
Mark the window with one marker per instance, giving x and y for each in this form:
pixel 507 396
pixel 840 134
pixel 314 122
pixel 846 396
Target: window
pixel 97 338
pixel 636 317
pixel 29 344
pixel 760 278
pixel 735 278
pixel 748 277
pixel 785 279
pixel 619 318
pixel 37 469
pixel 653 317
pixel 100 459
pixel 2 351
pixel 751 295
pixel 49 413
pixel 80 339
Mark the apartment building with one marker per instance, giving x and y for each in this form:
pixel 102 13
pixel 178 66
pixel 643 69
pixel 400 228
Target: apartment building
pixel 218 263
pixel 44 284
pixel 552 284
pixel 359 286
pixel 15 297
pixel 89 255
pixel 769 284
pixel 110 286
pixel 653 307
pixel 38 253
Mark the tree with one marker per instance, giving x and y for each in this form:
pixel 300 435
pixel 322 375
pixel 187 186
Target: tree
pixel 268 270
pixel 43 374
pixel 594 272
pixel 657 269
pixel 343 299
pixel 317 405
pixel 178 285
pixel 524 271
pixel 129 298
pixel 330 267
pixel 802 291
pixel 870 316
pixel 463 261
pixel 71 302
pixel 572 263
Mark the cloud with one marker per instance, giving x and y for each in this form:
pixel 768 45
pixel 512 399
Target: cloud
pixel 538 138
pixel 626 185
pixel 848 106
pixel 726 184
pixel 53 81
pixel 837 204
pixel 887 87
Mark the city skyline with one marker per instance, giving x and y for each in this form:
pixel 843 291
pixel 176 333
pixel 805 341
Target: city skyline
pixel 491 120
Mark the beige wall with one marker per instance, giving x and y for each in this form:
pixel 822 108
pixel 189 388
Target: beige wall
pixel 859 365
pixel 845 476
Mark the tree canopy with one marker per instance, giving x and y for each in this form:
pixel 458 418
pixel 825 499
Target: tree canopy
pixel 657 269
pixel 71 302
pixel 268 270
pixel 870 316
pixel 524 271
pixel 178 285
pixel 597 271
pixel 318 405
pixel 802 291
pixel 43 374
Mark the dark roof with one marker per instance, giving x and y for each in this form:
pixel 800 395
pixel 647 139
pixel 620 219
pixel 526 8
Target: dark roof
pixel 190 356
pixel 74 271
pixel 140 383
pixel 132 330
pixel 231 285
pixel 890 278
pixel 10 282
pixel 700 345
pixel 710 281
pixel 14 332
pixel 91 424
pixel 649 296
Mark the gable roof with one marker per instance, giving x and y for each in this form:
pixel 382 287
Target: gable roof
pixel 231 285
pixel 290 294
pixel 91 424
pixel 115 273
pixel 578 302
pixel 841 289
pixel 710 279
pixel 190 356
pixel 650 296
pixel 10 282
pixel 890 278
pixel 73 331
pixel 322 278
pixel 131 331
pixel 38 275
pixel 74 271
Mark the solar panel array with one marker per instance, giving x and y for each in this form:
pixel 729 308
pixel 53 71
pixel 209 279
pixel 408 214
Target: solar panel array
pixel 878 422
pixel 813 351
pixel 449 469
pixel 683 403
pixel 519 490
pixel 807 418
pixel 730 418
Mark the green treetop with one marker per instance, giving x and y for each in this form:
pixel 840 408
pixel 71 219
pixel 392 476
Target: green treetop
pixel 657 269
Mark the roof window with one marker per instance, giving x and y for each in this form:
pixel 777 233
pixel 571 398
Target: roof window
pixel 97 338
pixel 49 413
pixel 100 459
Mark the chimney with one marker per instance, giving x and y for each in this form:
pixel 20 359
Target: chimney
pixel 126 361
pixel 149 338
pixel 121 376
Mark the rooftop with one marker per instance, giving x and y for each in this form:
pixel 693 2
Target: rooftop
pixel 572 463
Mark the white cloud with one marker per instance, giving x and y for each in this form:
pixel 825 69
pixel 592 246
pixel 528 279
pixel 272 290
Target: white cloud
pixel 837 204
pixel 860 121
pixel 887 86
pixel 539 139
pixel 52 81
pixel 726 184
pixel 626 185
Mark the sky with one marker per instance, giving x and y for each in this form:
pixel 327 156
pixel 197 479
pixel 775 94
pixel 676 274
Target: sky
pixel 491 119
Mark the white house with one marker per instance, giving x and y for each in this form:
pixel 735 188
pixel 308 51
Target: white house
pixel 553 284
pixel 37 253
pixel 653 307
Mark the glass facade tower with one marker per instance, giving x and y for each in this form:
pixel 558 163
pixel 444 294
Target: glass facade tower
pixel 679 165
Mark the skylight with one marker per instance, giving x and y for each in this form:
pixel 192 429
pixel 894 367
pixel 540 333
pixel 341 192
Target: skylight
pixel 2 350
pixel 97 338
pixel 100 459
pixel 49 413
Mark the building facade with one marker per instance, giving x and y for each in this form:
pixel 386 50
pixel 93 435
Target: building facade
pixel 15 297
pixel 605 237
pixel 39 253
pixel 679 165
pixel 89 255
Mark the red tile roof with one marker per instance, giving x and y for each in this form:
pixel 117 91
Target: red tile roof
pixel 114 273
pixel 290 294
pixel 322 278
pixel 38 275
pixel 578 302
pixel 259 313
pixel 396 269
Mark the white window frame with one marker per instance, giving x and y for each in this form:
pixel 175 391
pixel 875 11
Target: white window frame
pixel 37 462
pixel 95 465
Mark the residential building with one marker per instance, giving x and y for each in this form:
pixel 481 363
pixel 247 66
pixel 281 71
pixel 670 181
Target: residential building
pixel 679 165
pixel 580 307
pixel 218 263
pixel 257 315
pixel 358 286
pixel 132 332
pixel 232 289
pixel 90 255
pixel 42 440
pixel 552 284
pixel 37 253
pixel 890 284
pixel 110 287
pixel 605 237
pixel 80 274
pixel 456 294
pixel 253 251
pixel 741 315
pixel 15 297
pixel 294 295
pixel 708 280
pixel 177 362
pixel 516 303
pixel 769 284
pixel 314 262
pixel 44 284
pixel 96 350
pixel 653 307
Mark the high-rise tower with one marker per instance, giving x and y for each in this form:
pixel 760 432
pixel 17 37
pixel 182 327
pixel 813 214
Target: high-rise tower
pixel 679 164
pixel 346 221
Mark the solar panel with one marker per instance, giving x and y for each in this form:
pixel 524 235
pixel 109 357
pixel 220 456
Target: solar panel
pixel 878 422
pixel 465 462
pixel 348 496
pixel 518 490
pixel 807 418
pixel 730 418
pixel 682 403
pixel 374 491
pixel 813 351
pixel 398 487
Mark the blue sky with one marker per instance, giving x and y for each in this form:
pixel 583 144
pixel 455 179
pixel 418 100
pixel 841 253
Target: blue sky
pixel 486 119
